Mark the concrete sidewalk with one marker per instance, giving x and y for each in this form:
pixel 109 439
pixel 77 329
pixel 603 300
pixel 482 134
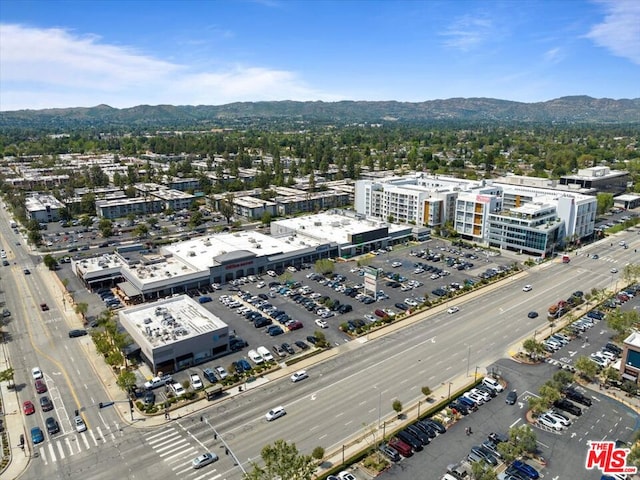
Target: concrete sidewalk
pixel 14 426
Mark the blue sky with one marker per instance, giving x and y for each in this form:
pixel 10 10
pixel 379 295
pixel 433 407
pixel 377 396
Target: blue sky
pixel 126 53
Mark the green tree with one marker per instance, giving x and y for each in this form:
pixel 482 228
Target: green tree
pixel 324 266
pixel 7 375
pixel 621 322
pixel 141 230
pixel 397 406
pixel 533 348
pixel 586 367
pixel 106 227
pixel 226 207
pixel 605 202
pixel 266 218
pixel 126 380
pixel 50 262
pixel 81 309
pixel 282 460
pixel 318 453
pixel 483 471
pixel 85 221
pixel 524 438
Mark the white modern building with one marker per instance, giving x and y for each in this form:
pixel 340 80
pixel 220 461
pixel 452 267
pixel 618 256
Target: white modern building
pixel 175 333
pixel 482 211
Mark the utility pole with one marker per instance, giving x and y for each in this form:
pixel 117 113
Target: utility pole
pixel 227 448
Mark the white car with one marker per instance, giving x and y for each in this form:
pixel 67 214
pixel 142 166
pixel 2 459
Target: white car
pixel 346 476
pixel 196 382
pixel 370 318
pixel 321 323
pixel 275 413
pixel 299 375
pixel 453 310
pixel 564 421
pixel 411 302
pixel 292 269
pixel 550 422
pixel 204 460
pixel 178 389
pixel 36 373
pixel 222 373
pixel 271 273
pixel 614 270
pixel 260 284
pixel 396 264
pixel 527 288
pixel 79 424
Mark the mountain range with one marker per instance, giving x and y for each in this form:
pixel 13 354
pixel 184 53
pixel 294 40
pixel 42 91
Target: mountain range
pixel 565 110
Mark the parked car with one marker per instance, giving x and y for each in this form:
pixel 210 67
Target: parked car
pixel 390 452
pixel 209 375
pixel 511 398
pixel 567 406
pixel 402 447
pixel 525 468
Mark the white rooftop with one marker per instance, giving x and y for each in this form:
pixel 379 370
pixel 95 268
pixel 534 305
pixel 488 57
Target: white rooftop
pixel 633 340
pixel 170 320
pixel 331 227
pixel 200 252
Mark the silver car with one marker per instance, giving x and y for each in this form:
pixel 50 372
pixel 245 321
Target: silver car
pixel 204 460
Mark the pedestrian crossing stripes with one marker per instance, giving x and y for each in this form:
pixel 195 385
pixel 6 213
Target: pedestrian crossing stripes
pixel 177 448
pixel 60 447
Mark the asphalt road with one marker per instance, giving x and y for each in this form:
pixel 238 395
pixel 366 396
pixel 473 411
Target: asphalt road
pixel 344 395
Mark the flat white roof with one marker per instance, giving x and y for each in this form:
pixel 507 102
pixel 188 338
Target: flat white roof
pixel 170 267
pixel 331 227
pixel 171 320
pixel 633 340
pixel 202 250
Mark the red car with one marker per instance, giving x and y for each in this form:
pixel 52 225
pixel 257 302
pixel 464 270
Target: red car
pixel 295 325
pixel 41 387
pixel 28 408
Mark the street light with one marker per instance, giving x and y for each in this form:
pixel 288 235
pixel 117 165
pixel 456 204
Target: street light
pixel 449 394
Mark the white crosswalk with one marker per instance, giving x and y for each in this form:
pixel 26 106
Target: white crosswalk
pixel 177 449
pixel 58 447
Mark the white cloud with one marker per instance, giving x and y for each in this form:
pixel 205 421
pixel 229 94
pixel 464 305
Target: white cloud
pixel 468 32
pixel 43 68
pixel 620 29
pixel 553 55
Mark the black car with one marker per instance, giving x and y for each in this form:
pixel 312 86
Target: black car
pixel 77 333
pixel 512 397
pixel 576 396
pixel 402 306
pixel 262 322
pixel 301 345
pixel 209 375
pixel 424 438
pixel 613 348
pixel 567 406
pixel 532 314
pixel 434 424
pixel 312 340
pixel 288 348
pixel 46 404
pixel 426 428
pixel 52 425
pixel 459 407
pixel 410 439
pixel 149 398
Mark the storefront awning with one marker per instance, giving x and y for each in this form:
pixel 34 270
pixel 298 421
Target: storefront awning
pixel 128 289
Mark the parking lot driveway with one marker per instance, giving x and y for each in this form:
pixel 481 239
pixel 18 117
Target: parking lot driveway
pixel 565 452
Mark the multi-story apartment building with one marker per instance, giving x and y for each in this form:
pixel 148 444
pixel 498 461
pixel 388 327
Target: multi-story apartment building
pixel 43 208
pixel 488 212
pixel 630 363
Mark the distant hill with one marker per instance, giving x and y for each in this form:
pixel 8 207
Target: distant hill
pixel 575 109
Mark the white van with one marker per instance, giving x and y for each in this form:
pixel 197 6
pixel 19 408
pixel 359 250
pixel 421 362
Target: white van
pixel 255 357
pixel 265 354
pixel 493 384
